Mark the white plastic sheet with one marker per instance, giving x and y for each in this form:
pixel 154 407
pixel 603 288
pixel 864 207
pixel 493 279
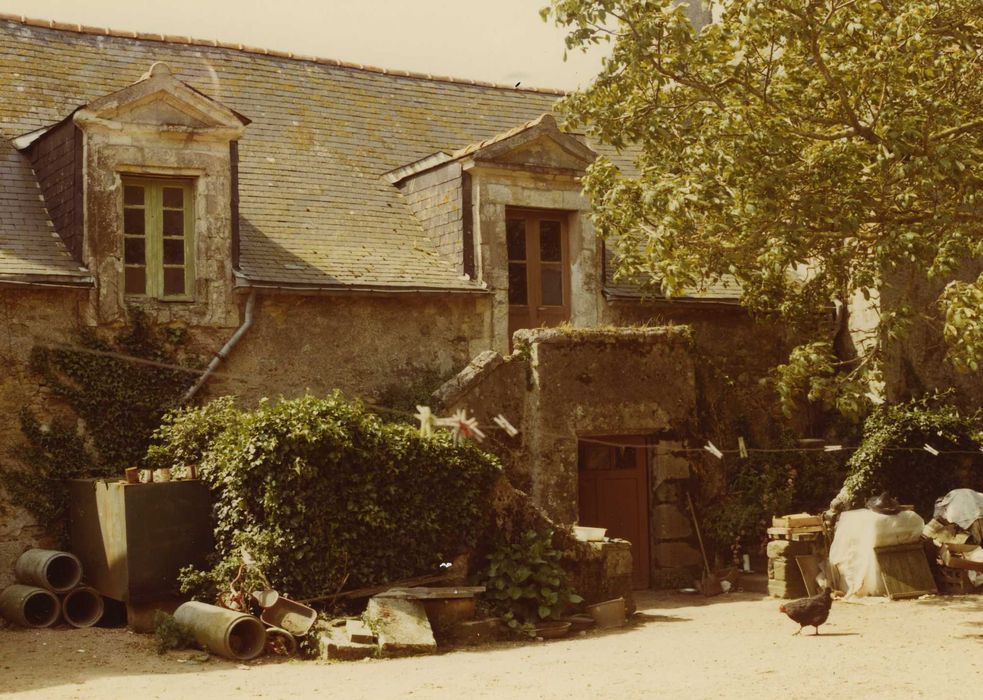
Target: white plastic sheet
pixel 852 554
pixel 960 506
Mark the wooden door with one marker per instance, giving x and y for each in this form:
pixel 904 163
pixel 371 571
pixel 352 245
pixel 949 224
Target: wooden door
pixel 539 269
pixel 613 493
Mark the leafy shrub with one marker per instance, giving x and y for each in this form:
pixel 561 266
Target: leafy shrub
pixel 322 492
pixel 525 582
pixel 767 484
pixel 913 475
pixel 171 634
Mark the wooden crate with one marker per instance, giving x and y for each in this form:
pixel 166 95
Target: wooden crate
pixel 904 571
pixel 954 581
pixel 797 521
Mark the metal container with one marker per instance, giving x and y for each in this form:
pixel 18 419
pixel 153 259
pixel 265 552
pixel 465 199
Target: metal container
pixel 29 606
pixel 82 607
pixel 133 539
pixel 290 615
pixel 610 613
pixel 224 632
pixel 56 571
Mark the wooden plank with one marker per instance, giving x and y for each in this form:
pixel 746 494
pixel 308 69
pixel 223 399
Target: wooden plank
pixel 904 571
pixel 796 520
pixel 809 568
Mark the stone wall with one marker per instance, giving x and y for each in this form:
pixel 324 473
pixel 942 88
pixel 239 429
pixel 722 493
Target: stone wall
pixel 563 384
pixel 28 317
pixel 361 345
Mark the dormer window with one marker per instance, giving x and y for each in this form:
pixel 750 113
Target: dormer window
pixel 158 233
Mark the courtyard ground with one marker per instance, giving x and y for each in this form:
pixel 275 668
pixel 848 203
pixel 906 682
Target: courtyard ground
pixel 681 646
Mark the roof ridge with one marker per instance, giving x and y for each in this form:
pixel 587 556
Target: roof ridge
pixel 214 43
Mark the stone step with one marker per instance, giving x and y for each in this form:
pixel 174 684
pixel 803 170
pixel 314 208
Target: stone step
pixel 401 626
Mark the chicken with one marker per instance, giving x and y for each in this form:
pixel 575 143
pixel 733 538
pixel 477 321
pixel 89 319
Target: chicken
pixel 809 612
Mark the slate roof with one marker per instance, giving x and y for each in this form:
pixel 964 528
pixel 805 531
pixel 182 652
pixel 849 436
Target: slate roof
pixel 314 209
pixel 30 250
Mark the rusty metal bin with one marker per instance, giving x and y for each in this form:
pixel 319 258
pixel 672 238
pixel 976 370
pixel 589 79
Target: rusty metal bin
pixel 133 539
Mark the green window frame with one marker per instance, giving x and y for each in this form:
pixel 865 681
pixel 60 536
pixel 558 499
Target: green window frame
pixel 158 238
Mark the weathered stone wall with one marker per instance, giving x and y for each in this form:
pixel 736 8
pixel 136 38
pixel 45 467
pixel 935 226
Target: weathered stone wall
pixel 28 317
pixel 361 345
pixel 732 353
pixel 563 384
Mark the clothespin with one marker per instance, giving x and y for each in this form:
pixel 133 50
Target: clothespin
pixel 503 423
pixel 427 420
pixel 931 450
pixel 712 449
pixel 462 427
pixel 742 447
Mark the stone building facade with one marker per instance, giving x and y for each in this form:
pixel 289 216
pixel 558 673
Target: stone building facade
pixel 366 227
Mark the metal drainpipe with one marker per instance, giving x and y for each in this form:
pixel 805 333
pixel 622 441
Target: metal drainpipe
pixel 226 349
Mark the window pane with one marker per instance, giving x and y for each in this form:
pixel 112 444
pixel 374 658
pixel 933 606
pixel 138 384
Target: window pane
pixel 549 241
pixel 173 280
pixel 173 223
pixel 134 251
pixel 625 457
pixel 173 251
pixel 133 194
pixel 135 280
pixel 515 234
pixel 518 292
pixel 594 455
pixel 174 197
pixel 133 221
pixel 552 284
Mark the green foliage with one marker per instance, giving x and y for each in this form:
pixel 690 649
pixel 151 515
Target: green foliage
pixel 115 404
pixel 833 139
pixel 813 372
pixel 321 492
pixel 525 582
pixel 962 303
pixel 171 634
pixel 914 475
pixel 767 484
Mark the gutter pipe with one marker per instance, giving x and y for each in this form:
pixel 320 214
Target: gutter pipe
pixel 226 349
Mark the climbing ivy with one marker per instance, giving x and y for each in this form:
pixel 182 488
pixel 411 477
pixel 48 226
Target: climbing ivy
pixel 320 493
pixel 892 457
pixel 107 397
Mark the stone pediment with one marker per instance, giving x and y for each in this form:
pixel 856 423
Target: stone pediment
pixel 161 102
pixel 537 144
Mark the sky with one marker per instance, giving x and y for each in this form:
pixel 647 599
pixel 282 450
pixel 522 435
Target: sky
pixel 502 41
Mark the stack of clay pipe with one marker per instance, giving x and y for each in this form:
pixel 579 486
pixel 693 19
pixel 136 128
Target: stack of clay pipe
pixel 49 588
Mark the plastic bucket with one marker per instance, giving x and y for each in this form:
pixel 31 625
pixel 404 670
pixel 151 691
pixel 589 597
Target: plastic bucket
pixel 224 632
pixel 57 571
pixel 29 606
pixel 82 607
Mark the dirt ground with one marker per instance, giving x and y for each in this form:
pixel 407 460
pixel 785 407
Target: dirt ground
pixel 677 646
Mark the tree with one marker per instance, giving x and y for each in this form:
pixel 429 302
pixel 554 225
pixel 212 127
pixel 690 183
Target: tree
pixel 842 139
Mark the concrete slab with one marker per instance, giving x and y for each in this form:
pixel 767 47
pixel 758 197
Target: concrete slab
pixel 401 626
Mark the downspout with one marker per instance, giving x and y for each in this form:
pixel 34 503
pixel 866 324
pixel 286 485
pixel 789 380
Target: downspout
pixel 247 321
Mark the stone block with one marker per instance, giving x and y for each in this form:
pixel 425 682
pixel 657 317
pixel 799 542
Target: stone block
pixel 779 549
pixel 672 491
pixel 671 523
pixel 616 557
pixel 334 645
pixel 676 554
pixel 401 626
pixel 359 632
pixel 785 589
pixel 671 466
